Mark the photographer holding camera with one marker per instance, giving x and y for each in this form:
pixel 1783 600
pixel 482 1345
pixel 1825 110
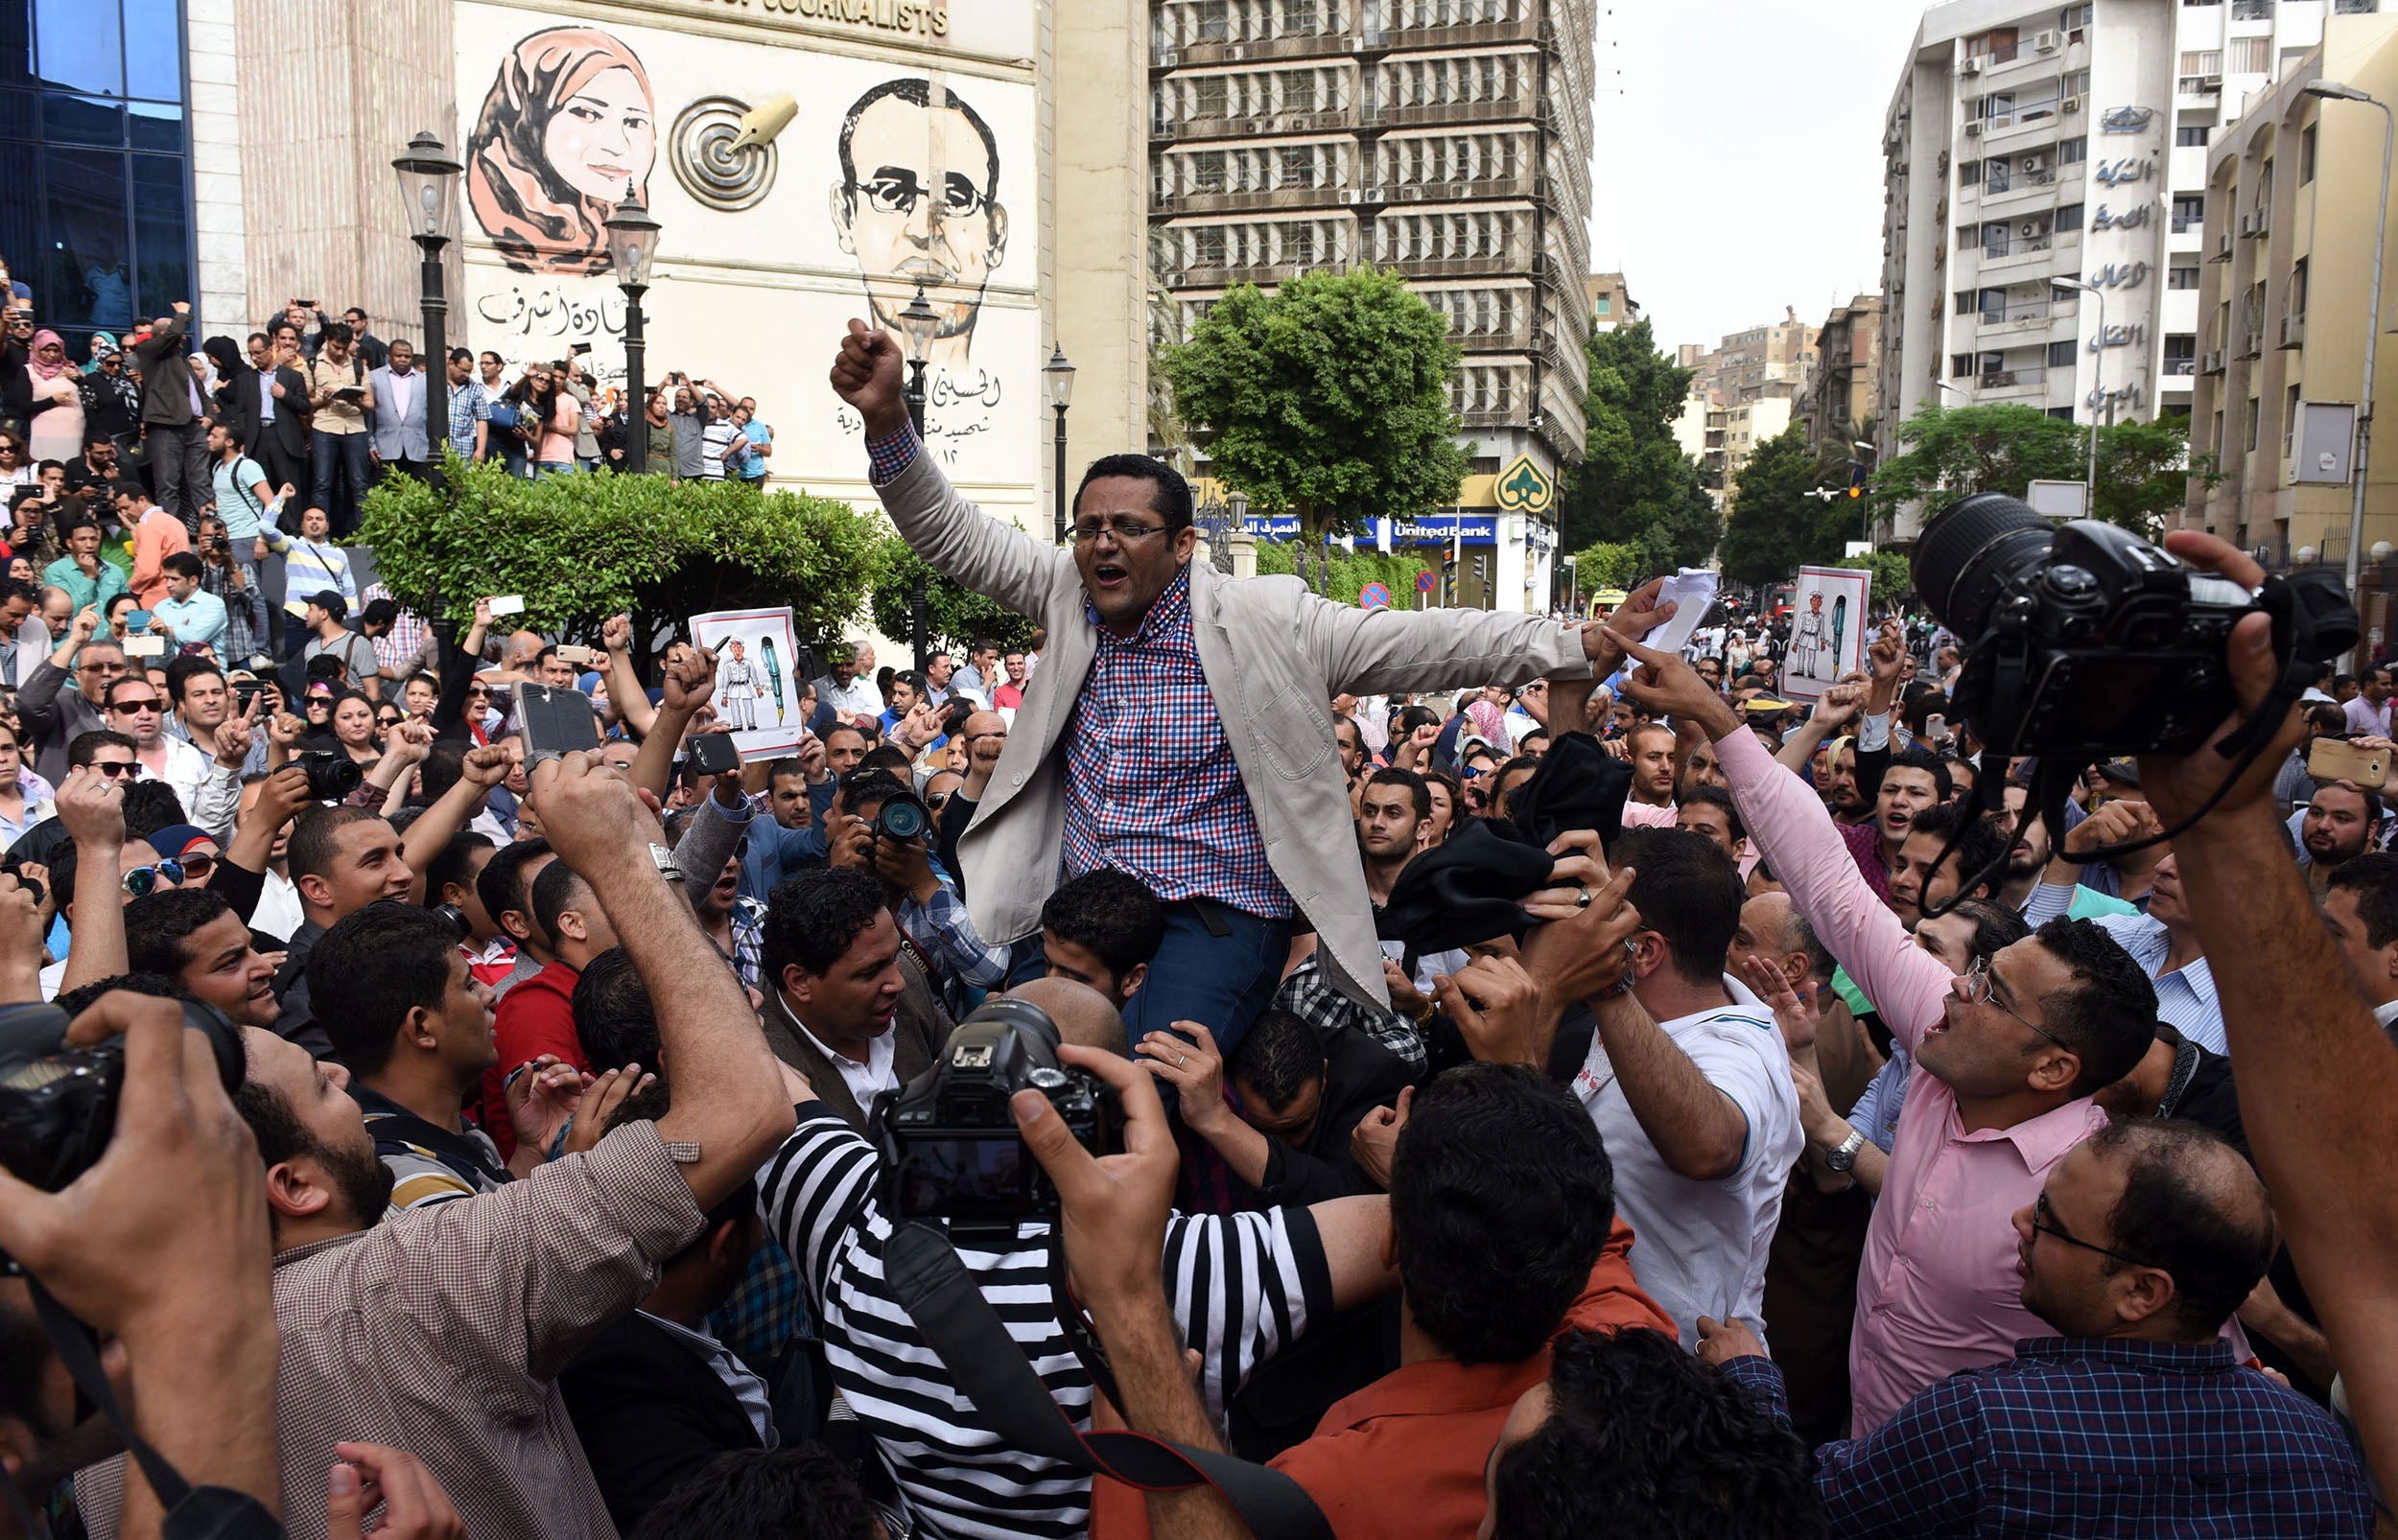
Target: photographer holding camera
pixel 1237 1288
pixel 444 1333
pixel 880 826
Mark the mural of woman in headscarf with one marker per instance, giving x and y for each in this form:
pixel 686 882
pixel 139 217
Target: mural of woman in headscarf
pixel 568 132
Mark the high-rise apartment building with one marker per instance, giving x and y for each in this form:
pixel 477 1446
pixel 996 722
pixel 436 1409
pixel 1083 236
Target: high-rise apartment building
pixel 1843 389
pixel 1447 139
pixel 2030 143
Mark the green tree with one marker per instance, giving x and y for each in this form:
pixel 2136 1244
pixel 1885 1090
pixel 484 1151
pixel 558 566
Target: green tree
pixel 1634 485
pixel 582 548
pixel 1893 575
pixel 2144 467
pixel 955 616
pixel 1328 399
pixel 1776 524
pixel 1607 566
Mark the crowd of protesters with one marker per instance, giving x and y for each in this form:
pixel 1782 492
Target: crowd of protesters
pixel 1565 1087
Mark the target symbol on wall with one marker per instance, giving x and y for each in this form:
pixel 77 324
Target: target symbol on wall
pixel 722 150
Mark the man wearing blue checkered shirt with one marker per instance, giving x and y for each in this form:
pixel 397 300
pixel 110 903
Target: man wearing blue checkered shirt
pixel 1179 728
pixel 2135 1420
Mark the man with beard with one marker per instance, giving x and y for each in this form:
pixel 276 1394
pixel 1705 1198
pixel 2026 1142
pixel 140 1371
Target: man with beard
pixel 444 1335
pixel 2337 826
pixel 2134 1253
pixel 1652 747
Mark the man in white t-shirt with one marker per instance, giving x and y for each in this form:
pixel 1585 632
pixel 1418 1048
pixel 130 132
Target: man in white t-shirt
pixel 1689 1083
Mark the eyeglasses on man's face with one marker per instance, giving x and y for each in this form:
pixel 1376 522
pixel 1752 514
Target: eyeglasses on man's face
pixel 111 769
pixel 1981 989
pixel 894 191
pixel 1123 531
pixel 2044 1222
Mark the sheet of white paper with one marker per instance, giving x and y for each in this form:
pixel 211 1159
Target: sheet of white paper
pixel 1692 591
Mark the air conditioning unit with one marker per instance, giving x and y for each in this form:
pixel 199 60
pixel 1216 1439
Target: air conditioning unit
pixel 2070 103
pixel 1253 126
pixel 1349 195
pixel 2212 362
pixel 2044 42
pixel 1973 128
pixel 2294 331
pixel 1168 58
pixel 2027 230
pixel 1970 67
pixel 2031 164
pixel 1411 193
pixel 2222 247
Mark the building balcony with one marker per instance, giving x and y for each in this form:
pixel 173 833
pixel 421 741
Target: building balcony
pixel 1493 417
pixel 1443 114
pixel 1455 35
pixel 1514 339
pixel 1508 266
pixel 1189 130
pixel 2025 316
pixel 1521 186
pixel 1224 274
pixel 2185 368
pixel 2027 381
pixel 2022 186
pixel 1165 203
pixel 1303 45
pixel 2020 252
pixel 2200 87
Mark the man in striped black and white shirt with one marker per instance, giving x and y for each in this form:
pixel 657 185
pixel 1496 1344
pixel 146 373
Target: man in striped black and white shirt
pixel 1242 1286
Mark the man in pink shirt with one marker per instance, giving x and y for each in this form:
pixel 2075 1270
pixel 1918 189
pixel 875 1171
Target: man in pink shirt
pixel 2007 1058
pixel 157 534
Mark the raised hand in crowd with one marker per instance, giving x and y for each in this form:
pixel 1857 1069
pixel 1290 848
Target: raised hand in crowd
pixel 414 1507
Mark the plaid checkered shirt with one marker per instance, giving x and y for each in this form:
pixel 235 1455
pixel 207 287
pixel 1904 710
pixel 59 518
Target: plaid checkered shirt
pixel 1151 787
pixel 2077 1436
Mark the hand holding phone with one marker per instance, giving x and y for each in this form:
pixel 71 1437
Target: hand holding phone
pixel 508 604
pixel 555 722
pixel 2339 760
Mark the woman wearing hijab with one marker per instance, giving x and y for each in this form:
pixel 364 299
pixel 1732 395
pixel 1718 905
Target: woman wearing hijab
pixel 52 405
pixel 568 132
pixel 103 343
pixel 228 362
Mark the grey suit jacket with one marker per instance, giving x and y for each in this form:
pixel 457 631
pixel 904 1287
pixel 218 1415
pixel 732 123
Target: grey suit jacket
pixel 912 1045
pixel 392 435
pixel 1274 656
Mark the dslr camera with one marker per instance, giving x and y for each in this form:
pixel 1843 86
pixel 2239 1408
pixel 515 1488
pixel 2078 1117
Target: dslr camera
pixel 59 1103
pixel 902 816
pixel 948 1143
pixel 331 777
pixel 2084 642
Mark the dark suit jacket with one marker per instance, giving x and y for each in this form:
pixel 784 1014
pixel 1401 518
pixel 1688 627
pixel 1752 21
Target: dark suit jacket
pixel 1360 1075
pixel 914 1039
pixel 168 383
pixel 289 427
pixel 650 1414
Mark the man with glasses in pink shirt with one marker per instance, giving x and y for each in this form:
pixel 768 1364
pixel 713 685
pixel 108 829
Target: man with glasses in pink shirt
pixel 2007 1058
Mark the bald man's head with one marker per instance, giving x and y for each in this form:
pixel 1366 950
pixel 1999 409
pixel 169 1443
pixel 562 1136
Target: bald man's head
pixel 1082 1014
pixel 2190 1204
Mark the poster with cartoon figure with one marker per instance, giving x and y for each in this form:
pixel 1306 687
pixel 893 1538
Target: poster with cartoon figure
pixel 796 184
pixel 757 695
pixel 1827 629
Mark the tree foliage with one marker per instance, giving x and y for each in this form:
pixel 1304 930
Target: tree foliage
pixel 1634 485
pixel 1347 576
pixel 2143 468
pixel 1775 523
pixel 1607 565
pixel 1893 576
pixel 582 548
pixel 1328 399
pixel 955 616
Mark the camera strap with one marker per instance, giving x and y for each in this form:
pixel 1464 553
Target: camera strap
pixel 932 1285
pixel 192 1512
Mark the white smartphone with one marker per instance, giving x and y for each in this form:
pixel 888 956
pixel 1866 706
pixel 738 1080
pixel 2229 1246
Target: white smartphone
pixel 508 604
pixel 140 645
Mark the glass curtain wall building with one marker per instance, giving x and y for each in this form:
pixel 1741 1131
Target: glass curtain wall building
pixel 95 166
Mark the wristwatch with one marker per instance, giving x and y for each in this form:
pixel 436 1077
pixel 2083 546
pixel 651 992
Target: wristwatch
pixel 1843 1157
pixel 664 860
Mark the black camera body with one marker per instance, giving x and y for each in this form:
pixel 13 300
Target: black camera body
pixel 948 1143
pixel 2082 641
pixel 59 1103
pixel 331 777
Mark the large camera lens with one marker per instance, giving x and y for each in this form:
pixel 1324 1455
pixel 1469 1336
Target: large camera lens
pixel 1968 555
pixel 903 817
pixel 331 777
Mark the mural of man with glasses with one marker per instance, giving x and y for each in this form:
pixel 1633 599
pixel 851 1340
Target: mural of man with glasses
pixel 918 202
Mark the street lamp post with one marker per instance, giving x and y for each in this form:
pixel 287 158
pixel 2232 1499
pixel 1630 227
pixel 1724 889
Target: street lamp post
pixel 2098 385
pixel 428 182
pixel 918 322
pixel 632 244
pixel 2333 91
pixel 1058 375
pixel 1868 512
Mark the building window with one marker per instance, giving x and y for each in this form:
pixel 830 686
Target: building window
pixel 1207 97
pixel 1966 302
pixel 2356 8
pixel 1207 246
pixel 1206 172
pixel 1997 174
pixel 2296 302
pixel 2060 355
pixel 2062 414
pixel 2305 154
pixel 1299 166
pixel 2192 136
pixel 2251 56
pixel 2181 278
pixel 1960 365
pixel 2202 62
pixel 2073 16
pixel 2074 151
pixel 95 208
pixel 1300 17
pixel 1994 239
pixel 1603 305
pixel 2189 212
pixel 1970 174
pixel 2069 218
pixel 2182 353
pixel 2250 437
pixel 1214 25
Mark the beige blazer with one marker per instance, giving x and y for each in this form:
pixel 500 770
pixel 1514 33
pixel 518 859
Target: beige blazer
pixel 1274 656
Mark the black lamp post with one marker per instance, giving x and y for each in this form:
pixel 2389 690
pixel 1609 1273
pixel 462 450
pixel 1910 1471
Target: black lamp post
pixel 919 322
pixel 632 241
pixel 1058 375
pixel 429 181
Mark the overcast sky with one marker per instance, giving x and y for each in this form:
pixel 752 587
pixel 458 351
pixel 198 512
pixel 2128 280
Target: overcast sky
pixel 1739 157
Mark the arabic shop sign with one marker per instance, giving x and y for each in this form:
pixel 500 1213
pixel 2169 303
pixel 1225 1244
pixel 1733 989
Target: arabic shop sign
pixel 1438 528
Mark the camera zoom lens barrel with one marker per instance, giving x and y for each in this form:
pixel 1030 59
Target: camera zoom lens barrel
pixel 1967 554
